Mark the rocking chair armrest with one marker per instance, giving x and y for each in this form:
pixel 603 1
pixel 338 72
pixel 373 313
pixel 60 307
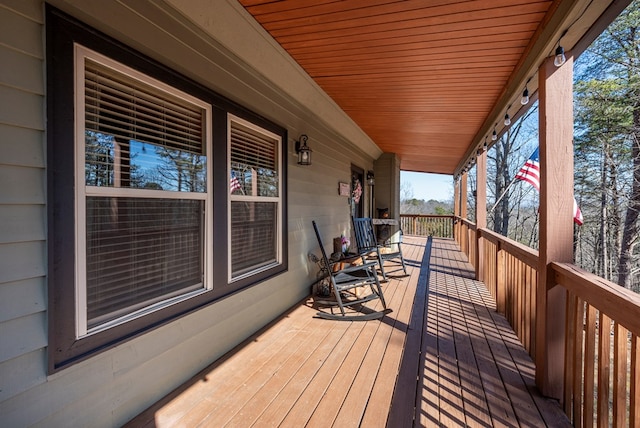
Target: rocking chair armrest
pixel 366 250
pixel 356 268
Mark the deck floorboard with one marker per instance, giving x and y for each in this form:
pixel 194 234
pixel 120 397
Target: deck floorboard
pixel 442 357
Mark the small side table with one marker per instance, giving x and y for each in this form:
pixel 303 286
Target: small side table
pixel 345 260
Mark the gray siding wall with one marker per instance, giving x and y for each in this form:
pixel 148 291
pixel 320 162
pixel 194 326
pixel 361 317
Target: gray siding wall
pixel 229 53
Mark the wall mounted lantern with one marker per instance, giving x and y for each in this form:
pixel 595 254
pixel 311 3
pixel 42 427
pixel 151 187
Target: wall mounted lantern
pixel 303 151
pixel 370 178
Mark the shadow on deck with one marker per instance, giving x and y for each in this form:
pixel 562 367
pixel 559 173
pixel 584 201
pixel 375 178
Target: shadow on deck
pixel 443 357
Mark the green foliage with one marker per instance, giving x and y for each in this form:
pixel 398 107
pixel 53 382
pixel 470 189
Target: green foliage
pixel 607 155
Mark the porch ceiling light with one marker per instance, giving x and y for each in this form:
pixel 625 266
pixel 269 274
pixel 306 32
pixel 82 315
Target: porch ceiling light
pixel 507 119
pixel 303 151
pixel 560 58
pixel 525 97
pixel 494 136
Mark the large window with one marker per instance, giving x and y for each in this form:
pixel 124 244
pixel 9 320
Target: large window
pixel 142 225
pixel 141 193
pixel 255 207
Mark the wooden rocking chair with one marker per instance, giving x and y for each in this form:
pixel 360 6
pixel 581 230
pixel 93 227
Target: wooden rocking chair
pixel 343 283
pixel 368 246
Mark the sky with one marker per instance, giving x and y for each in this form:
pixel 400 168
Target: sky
pixel 428 186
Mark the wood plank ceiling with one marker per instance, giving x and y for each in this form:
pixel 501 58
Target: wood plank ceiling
pixel 420 77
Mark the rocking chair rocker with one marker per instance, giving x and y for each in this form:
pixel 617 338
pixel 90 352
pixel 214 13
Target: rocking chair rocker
pixel 343 283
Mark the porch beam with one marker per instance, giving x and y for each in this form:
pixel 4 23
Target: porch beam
pixel 556 219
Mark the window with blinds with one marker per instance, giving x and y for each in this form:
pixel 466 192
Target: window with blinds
pixel 255 203
pixel 134 196
pixel 142 229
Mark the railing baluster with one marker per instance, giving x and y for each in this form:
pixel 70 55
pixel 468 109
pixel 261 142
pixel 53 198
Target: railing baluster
pixel 570 334
pixel 621 341
pixel 634 410
pixel 589 366
pixel 604 358
pixel 578 379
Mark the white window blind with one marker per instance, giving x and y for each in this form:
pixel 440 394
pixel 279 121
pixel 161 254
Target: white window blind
pixel 140 251
pixel 118 105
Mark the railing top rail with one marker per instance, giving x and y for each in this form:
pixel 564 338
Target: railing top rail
pixel 429 215
pixel 469 224
pixel 618 303
pixel 525 254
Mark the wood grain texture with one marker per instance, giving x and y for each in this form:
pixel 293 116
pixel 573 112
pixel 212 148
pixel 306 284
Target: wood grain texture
pixel 411 62
pixel 442 357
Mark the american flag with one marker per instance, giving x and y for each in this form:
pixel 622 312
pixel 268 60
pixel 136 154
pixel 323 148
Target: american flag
pixel 530 172
pixel 234 183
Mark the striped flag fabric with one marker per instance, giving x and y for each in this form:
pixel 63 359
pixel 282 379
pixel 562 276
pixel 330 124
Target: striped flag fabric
pixel 234 183
pixel 530 172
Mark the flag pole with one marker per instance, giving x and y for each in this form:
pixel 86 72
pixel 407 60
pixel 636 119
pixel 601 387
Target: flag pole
pixel 502 195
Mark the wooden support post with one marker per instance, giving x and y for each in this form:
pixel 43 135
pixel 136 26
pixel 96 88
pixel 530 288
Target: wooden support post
pixel 464 235
pixel 463 195
pixel 481 212
pixel 456 209
pixel 556 219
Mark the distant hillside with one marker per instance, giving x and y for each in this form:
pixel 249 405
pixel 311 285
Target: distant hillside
pixel 420 206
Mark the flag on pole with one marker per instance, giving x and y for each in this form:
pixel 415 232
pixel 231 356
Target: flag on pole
pixel 234 183
pixel 530 172
pixel 577 214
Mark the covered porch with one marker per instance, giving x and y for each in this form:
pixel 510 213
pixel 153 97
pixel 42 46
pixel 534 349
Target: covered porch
pixel 444 356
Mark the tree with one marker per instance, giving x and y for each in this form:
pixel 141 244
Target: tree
pixel 608 137
pixel 504 159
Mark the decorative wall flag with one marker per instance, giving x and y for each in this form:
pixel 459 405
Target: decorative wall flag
pixel 530 172
pixel 234 183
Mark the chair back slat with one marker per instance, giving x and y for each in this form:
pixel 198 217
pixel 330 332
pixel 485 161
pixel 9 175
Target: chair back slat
pixel 364 233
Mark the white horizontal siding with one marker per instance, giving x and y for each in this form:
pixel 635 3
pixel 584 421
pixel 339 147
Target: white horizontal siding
pixel 29 76
pixel 18 375
pixel 23 325
pixel 21 108
pixel 22 335
pixel 19 31
pixel 22 223
pixel 29 152
pixel 22 185
pixel 20 298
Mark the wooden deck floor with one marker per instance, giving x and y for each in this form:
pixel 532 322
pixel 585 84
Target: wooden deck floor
pixel 443 357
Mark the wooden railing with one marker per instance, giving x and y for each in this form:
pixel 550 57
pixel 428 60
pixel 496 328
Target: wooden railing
pixel 602 371
pixel 602 367
pixel 440 226
pixel 465 235
pixel 510 272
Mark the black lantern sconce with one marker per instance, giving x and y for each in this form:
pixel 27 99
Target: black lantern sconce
pixel 370 178
pixel 303 151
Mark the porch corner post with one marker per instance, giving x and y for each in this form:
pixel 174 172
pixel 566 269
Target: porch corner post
pixel 481 212
pixel 556 220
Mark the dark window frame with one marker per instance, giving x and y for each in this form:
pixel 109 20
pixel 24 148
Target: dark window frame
pixel 64 349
